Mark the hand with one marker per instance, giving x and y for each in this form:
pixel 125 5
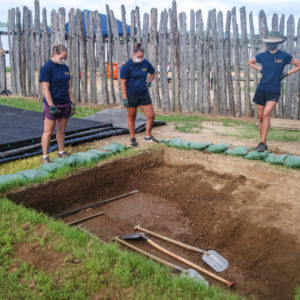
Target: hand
pixel 54 111
pixel 73 108
pixel 283 75
pixel 125 102
pixel 148 84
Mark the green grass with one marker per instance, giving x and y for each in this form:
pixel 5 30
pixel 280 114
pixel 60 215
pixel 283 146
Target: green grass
pixel 297 296
pixel 37 105
pixel 193 127
pixel 101 269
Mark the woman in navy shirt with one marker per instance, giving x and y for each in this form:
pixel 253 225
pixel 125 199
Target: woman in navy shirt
pixel 58 100
pixel 267 93
pixel 134 89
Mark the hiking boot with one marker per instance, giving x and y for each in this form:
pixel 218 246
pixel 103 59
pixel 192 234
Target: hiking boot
pixel 63 154
pixel 47 160
pixel 150 139
pixel 261 147
pixel 133 142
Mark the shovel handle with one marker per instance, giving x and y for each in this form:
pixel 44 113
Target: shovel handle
pixel 189 263
pixel 139 227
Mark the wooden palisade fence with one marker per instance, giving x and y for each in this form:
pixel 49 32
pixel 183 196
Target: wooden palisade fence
pixel 207 59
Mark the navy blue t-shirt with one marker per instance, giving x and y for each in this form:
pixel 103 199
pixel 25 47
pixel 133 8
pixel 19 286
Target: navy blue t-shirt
pixel 272 68
pixel 58 76
pixel 136 75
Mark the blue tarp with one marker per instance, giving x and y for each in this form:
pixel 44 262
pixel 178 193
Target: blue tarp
pixel 103 19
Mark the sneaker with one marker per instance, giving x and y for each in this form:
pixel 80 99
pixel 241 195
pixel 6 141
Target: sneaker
pixel 133 142
pixel 62 155
pixel 47 160
pixel 261 147
pixel 150 139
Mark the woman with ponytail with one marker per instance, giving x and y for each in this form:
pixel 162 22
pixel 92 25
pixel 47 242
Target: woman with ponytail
pixel 58 102
pixel 134 88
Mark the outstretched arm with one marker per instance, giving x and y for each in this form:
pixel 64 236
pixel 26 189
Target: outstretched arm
pixel 252 63
pixel 296 63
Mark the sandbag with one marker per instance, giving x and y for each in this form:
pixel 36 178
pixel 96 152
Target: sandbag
pixel 114 147
pixel 237 151
pixel 292 161
pixel 218 148
pixel 100 153
pixel 86 156
pixel 11 178
pixel 198 146
pixel 256 155
pixel 69 161
pixel 276 159
pixel 51 167
pixel 178 143
pixel 34 174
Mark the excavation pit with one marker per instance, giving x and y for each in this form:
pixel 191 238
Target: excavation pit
pixel 240 209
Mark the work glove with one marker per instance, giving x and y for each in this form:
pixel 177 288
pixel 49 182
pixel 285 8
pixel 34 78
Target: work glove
pixel 148 84
pixel 54 111
pixel 73 108
pixel 125 102
pixel 283 75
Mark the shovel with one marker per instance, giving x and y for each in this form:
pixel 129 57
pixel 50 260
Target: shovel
pixel 211 257
pixel 136 236
pixel 189 273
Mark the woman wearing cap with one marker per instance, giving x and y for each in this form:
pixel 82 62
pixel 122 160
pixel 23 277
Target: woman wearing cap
pixel 267 93
pixel 58 100
pixel 134 88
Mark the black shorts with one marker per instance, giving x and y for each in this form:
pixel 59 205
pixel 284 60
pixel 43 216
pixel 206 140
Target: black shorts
pixel 137 100
pixel 262 97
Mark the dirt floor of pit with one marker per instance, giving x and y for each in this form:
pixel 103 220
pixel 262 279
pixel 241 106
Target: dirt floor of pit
pixel 247 211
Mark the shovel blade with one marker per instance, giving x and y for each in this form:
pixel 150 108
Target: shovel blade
pixel 191 273
pixel 215 261
pixel 132 236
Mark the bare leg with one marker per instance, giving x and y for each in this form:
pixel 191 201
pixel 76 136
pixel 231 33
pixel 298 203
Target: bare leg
pixel 60 133
pixel 150 115
pixel 260 114
pixel 46 137
pixel 131 120
pixel 270 105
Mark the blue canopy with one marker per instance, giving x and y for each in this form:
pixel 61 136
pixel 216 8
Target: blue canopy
pixel 103 19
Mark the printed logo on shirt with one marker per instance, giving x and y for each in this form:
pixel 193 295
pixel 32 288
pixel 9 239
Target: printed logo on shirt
pixel 67 73
pixel 278 61
pixel 144 69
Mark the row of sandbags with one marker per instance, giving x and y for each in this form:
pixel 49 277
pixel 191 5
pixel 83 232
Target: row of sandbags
pixel 76 159
pixel 287 160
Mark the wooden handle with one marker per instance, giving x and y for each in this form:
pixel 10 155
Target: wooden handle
pixel 189 263
pixel 160 260
pixel 86 218
pixel 138 227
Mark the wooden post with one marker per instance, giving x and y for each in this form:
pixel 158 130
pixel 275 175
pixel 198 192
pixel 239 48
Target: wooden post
pixel 222 69
pixel 26 50
pixel 100 53
pixel 110 54
pixel 175 59
pixel 45 39
pixel 184 67
pixel 132 32
pixel 237 67
pixel 244 39
pixel 253 48
pixel 192 63
pixel 274 22
pixel 138 25
pixel 89 21
pixel 154 56
pixel 54 30
pixel 11 45
pixel 37 37
pixel 280 105
pixel 199 59
pixel 18 45
pixel 61 21
pixel 163 61
pixel 125 35
pixel 263 28
pixel 82 55
pixel 116 40
pixel 206 69
pixel 145 36
pixel 297 75
pixel 2 66
pixel 229 82
pixel 289 101
pixel 32 54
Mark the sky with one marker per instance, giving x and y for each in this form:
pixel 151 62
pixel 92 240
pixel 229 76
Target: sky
pixel 280 7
